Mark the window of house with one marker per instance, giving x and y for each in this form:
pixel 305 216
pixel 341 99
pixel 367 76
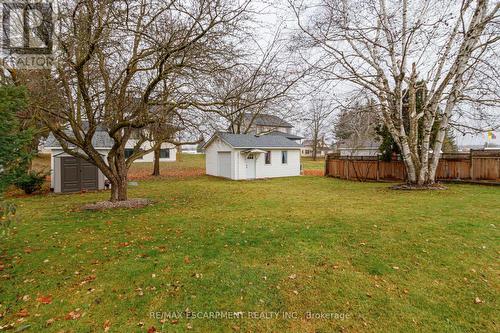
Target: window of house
pixel 268 157
pixel 165 153
pixel 128 152
pixel 284 157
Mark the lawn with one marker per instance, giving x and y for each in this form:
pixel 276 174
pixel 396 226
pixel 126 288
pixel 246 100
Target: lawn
pixel 367 258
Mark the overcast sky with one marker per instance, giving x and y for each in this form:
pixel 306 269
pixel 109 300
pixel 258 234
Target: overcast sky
pixel 275 15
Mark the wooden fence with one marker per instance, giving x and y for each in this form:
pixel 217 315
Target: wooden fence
pixel 478 165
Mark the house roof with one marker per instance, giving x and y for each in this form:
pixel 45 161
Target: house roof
pixel 266 120
pixel 254 141
pixel 286 135
pixel 101 139
pixel 366 144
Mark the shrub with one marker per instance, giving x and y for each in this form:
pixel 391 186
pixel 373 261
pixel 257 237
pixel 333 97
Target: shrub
pixel 30 182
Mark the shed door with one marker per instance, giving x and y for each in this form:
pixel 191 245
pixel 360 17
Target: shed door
pixel 224 164
pixel 77 175
pixel 250 166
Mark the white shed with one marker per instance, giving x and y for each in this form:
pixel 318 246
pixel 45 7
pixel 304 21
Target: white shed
pixel 249 156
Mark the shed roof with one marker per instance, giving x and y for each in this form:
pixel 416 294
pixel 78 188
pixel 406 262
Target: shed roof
pixel 254 141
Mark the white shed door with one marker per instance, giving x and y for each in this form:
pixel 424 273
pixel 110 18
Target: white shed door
pixel 224 164
pixel 250 166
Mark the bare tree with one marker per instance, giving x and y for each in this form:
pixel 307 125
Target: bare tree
pixel 317 121
pixel 396 49
pixel 260 81
pixel 113 57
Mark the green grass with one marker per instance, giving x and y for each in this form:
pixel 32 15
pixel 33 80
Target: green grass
pixel 309 164
pixel 389 261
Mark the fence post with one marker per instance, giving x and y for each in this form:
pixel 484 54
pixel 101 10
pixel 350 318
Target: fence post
pixel 378 169
pixel 472 177
pixel 347 169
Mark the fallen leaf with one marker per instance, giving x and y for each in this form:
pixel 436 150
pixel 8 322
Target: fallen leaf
pixel 50 321
pixel 45 299
pixel 187 260
pixel 26 298
pixel 73 315
pixel 293 276
pixel 478 300
pixel 189 326
pixel 23 313
pixel 151 329
pixel 88 279
pixel 107 325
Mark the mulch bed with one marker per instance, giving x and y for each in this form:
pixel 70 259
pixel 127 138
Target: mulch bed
pixel 132 203
pixel 410 187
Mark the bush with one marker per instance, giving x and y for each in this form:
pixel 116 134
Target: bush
pixel 30 182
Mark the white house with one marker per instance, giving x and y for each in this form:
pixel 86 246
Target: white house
pixel 72 174
pixel 249 156
pixel 321 150
pixel 363 148
pixel 168 152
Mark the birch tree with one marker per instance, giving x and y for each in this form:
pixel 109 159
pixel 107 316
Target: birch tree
pixel 444 49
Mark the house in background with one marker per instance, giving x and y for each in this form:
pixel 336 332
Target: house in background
pixel 321 151
pixel 369 148
pixel 168 152
pixel 262 123
pixel 250 156
pixel 72 174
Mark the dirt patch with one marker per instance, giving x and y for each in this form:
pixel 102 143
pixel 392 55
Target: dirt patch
pixel 132 203
pixel 411 187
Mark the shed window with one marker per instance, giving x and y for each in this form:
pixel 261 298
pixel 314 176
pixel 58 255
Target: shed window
pixel 268 157
pixel 165 153
pixel 284 157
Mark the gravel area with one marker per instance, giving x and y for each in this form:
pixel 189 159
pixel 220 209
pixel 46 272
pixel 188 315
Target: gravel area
pixel 132 203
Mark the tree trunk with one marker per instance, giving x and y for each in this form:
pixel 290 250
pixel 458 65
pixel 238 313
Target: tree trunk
pixel 156 165
pixel 119 190
pixel 119 179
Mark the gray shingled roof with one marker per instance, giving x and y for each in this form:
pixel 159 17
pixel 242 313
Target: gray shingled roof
pixel 101 139
pixel 253 141
pixel 286 135
pixel 267 120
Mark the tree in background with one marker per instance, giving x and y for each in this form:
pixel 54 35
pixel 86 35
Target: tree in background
pixel 317 121
pixel 113 57
pixel 15 152
pixel 389 47
pixel 354 126
pixel 261 80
